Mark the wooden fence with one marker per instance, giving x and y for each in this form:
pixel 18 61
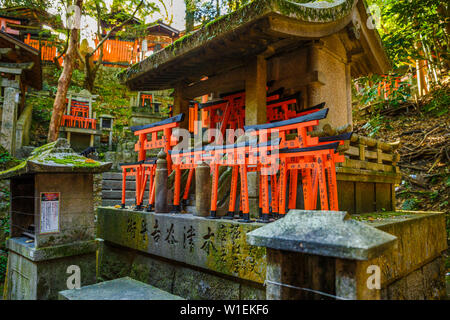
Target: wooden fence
pixel 47 48
pixel 370 154
pixel 118 52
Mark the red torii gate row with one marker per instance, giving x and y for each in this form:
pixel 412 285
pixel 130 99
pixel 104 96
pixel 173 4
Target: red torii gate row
pixel 314 157
pixel 229 113
pixel 152 136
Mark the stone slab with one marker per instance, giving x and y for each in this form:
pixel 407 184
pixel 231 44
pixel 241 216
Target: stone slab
pixel 29 251
pixel 324 233
pixel 119 289
pixel 406 256
pixel 217 245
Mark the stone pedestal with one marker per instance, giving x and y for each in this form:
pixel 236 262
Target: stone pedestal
pixel 52 222
pixel 320 255
pixel 40 273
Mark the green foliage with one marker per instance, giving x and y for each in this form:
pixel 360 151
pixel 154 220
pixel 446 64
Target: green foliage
pixel 114 98
pixel 207 11
pixel 410 204
pixel 408 26
pixel 439 103
pixel 6 160
pixel 374 125
pixel 3 264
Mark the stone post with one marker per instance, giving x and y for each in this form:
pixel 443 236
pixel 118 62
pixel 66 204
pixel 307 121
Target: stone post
pixel 313 89
pixel 255 113
pixel 9 119
pixel 161 184
pixel 319 254
pixel 202 190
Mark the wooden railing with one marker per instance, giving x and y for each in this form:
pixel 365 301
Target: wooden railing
pixel 118 51
pixel 370 154
pixel 47 48
pixel 363 152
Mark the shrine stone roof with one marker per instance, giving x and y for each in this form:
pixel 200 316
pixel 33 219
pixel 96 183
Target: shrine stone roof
pixel 259 27
pixel 55 157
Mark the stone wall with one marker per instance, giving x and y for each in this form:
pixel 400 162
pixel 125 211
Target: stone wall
pixel 124 153
pixel 413 268
pixel 222 265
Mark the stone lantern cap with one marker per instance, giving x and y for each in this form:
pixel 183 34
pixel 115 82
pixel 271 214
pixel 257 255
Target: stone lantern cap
pixel 56 157
pixel 324 233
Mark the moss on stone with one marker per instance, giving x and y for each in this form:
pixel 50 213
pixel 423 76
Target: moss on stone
pixel 378 216
pixel 54 154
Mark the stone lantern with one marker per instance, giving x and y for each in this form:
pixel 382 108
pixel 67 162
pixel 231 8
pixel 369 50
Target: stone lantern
pixel 52 222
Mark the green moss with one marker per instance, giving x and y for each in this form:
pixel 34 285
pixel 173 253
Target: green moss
pixel 377 216
pixel 140 272
pixel 43 148
pixel 232 255
pixel 77 161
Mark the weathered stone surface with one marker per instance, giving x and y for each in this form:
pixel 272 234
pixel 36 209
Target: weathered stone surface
pixel 122 261
pixel 397 290
pixel 153 271
pixel 41 280
pixel 29 251
pixel 218 245
pixel 202 190
pixel 9 119
pixel 114 262
pixel 421 237
pixel 118 289
pixel 325 233
pixel 194 285
pixel 433 274
pixel 249 292
pixel 415 286
pixel 56 157
pixel 23 127
pixel 170 276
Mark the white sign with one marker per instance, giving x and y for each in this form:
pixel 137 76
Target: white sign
pixel 49 212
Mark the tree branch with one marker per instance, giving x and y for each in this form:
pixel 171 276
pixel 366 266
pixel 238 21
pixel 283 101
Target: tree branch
pixel 118 27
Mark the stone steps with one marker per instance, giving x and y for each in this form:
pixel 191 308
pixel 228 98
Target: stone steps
pixel 112 191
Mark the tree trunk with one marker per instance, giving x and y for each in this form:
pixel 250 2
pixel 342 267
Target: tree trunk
pixel 91 73
pixel 190 9
pixel 59 104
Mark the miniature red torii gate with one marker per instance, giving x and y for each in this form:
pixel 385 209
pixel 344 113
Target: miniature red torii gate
pixel 314 157
pixel 145 169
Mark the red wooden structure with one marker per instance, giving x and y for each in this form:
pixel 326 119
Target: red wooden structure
pixel 280 161
pixel 153 136
pixel 78 116
pixel 48 49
